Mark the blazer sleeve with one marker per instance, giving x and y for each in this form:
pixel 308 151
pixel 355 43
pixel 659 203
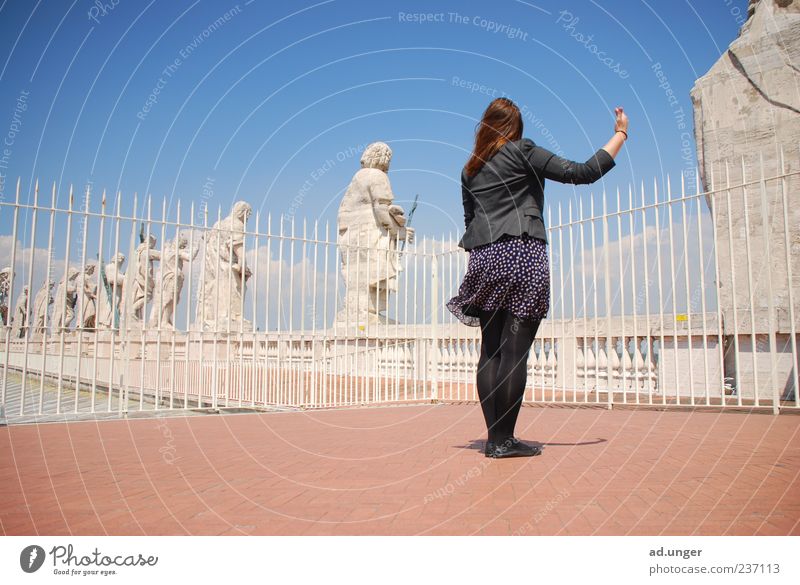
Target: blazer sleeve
pixel 549 165
pixel 468 202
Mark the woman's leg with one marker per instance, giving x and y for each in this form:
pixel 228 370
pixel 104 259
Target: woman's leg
pixel 491 332
pixel 512 374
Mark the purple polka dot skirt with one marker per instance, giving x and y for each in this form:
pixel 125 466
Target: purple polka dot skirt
pixel 512 273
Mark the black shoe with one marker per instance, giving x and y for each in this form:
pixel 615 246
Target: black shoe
pixel 513 447
pixel 489 449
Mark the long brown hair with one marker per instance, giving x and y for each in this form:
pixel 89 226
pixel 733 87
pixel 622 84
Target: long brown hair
pixel 501 123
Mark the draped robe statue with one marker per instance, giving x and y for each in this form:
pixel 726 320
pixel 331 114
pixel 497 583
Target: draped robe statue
pixel 5 281
pixel 66 297
pixel 109 297
pixel 19 323
pixel 41 304
pixel 138 282
pixel 173 257
pixel 369 227
pixel 224 274
pixel 87 293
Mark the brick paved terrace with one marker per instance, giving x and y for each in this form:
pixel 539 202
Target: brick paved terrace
pixel 404 470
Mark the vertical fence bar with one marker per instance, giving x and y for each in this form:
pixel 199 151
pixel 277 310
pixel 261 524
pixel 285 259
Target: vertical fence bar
pixel 599 351
pixel 586 349
pixel 10 295
pixel 750 285
pixel 623 376
pixel 673 295
pixel 253 382
pixel 26 324
pixel 158 302
pixel 573 315
pixel 59 323
pixel 701 253
pixel 790 278
pixel 636 366
pixel 83 297
pixel 661 369
pixel 650 342
pixel 47 278
pixel 609 338
pixel 99 290
pixel 187 343
pixel 717 286
pixel 771 321
pixel 688 289
pixel 732 268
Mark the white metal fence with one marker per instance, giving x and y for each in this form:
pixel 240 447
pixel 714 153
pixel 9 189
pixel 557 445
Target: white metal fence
pixel 661 295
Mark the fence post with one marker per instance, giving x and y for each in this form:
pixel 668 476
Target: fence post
pixel 434 360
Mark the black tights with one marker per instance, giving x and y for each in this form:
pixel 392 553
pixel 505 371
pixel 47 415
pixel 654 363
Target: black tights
pixel 503 369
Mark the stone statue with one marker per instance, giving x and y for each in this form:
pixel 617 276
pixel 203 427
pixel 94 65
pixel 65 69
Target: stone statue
pixel 221 293
pixel 19 321
pixel 174 255
pixel 65 300
pixel 5 281
pixel 747 107
pixel 109 297
pixel 369 227
pixel 87 288
pixel 139 284
pixel 41 304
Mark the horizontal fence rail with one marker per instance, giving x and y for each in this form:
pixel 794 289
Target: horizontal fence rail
pixel 661 295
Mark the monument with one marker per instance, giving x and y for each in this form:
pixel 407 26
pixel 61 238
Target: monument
pixel 369 226
pixel 173 257
pixel 224 274
pixel 65 300
pixel 747 107
pixel 109 298
pixel 19 320
pixel 138 282
pixel 5 281
pixel 87 294
pixel 41 305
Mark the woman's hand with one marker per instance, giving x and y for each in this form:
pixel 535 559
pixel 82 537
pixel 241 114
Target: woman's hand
pixel 613 146
pixel 621 123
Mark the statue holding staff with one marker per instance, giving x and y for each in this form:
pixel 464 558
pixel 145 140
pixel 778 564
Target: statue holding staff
pixel 369 228
pixel 109 298
pixel 140 279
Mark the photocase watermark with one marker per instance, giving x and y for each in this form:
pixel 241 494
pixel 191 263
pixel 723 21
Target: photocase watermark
pixel 183 54
pixel 206 194
pixel 167 450
pixel 450 487
pixel 100 9
pixel 736 12
pixel 568 21
pixel 678 113
pixel 478 21
pixel 14 128
pixel 542 513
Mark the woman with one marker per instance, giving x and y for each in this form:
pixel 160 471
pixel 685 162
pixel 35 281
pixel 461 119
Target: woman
pixel 506 289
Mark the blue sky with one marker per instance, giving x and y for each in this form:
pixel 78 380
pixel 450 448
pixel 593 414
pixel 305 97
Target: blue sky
pixel 271 102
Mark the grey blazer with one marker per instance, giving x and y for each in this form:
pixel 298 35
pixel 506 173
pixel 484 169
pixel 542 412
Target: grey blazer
pixel 507 195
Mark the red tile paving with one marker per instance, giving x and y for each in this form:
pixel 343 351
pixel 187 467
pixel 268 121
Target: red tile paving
pixel 404 470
